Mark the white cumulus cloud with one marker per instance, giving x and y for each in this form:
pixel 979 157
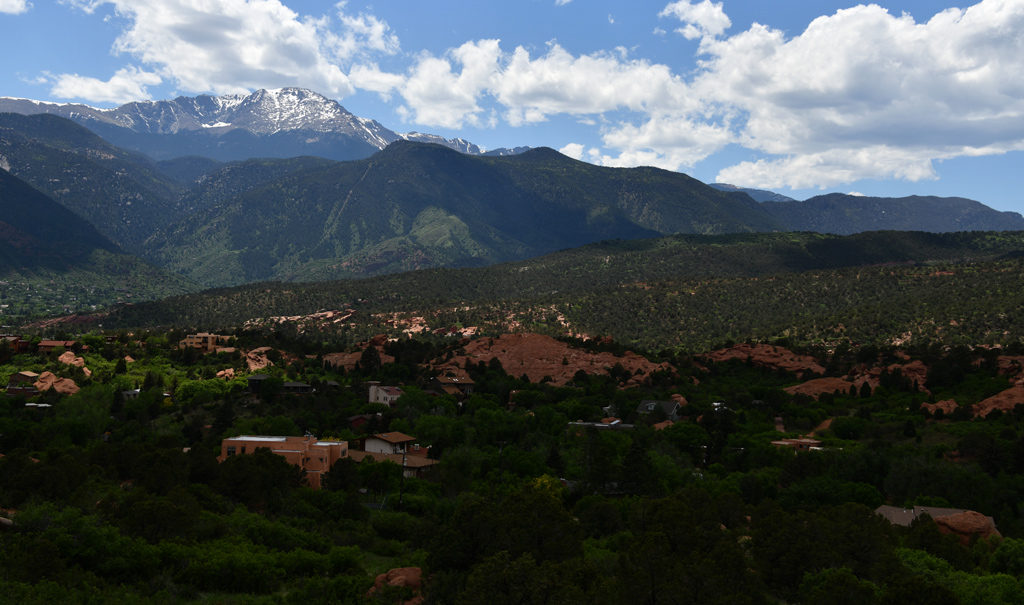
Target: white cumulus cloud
pixel 573 150
pixel 14 7
pixel 231 46
pixel 128 84
pixel 705 18
pixel 867 94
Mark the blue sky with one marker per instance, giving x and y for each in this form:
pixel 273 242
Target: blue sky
pixel 894 98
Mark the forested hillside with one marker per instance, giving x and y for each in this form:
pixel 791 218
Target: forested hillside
pixel 122 195
pixel 52 261
pixel 115 492
pixel 688 292
pixel 846 214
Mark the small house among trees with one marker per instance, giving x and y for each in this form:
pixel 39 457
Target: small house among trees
pixel 314 457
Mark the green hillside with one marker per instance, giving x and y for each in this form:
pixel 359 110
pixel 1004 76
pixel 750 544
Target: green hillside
pixel 680 292
pixel 52 261
pixel 846 214
pixel 122 195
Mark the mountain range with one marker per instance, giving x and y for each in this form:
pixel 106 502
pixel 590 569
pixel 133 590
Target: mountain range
pixel 279 123
pixel 405 203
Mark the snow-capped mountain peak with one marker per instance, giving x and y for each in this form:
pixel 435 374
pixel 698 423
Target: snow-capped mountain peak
pixel 312 123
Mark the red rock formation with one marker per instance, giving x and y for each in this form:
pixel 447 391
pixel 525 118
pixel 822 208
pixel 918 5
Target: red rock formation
pixel 349 360
pixel 770 356
pixel 948 406
pixel 1011 365
pixel 967 525
pixel 64 386
pixel 411 577
pixel 539 356
pixel 68 358
pixel 226 374
pixel 257 359
pixel 819 386
pixel 1006 401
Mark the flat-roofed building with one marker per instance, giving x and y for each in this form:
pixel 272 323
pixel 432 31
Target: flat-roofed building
pixel 311 455
pixel 204 341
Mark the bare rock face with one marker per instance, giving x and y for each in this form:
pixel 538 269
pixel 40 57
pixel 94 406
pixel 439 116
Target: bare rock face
pixel 915 371
pixel 967 525
pixel 540 356
pixel 348 361
pixel 770 356
pixel 948 406
pixel 226 374
pixel 64 386
pixel 1005 401
pixel 1011 365
pixel 68 358
pixel 820 386
pixel 257 359
pixel 410 577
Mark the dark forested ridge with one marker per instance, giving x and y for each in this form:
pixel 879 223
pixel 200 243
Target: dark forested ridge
pixel 688 292
pixel 39 232
pixel 52 261
pixel 846 214
pixel 417 206
pixel 411 206
pixel 123 195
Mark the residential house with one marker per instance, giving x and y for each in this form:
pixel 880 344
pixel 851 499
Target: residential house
pixel 412 466
pixel 296 388
pixel 204 341
pixel 22 383
pixel 45 346
pixel 15 343
pixel 453 385
pixel 382 394
pixel 255 382
pixel 387 443
pixel 313 456
pixel 670 409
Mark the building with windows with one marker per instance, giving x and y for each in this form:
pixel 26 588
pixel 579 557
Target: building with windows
pixel 313 456
pixel 204 341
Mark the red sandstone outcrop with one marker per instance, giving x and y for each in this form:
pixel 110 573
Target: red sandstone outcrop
pixel 1005 401
pixel 770 356
pixel 226 374
pixel 349 360
pixel 69 358
pixel 540 356
pixel 967 525
pixel 820 386
pixel 948 406
pixel 410 577
pixel 914 371
pixel 1011 365
pixel 257 359
pixel 48 380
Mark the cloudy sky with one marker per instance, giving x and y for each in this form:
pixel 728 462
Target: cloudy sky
pixel 894 98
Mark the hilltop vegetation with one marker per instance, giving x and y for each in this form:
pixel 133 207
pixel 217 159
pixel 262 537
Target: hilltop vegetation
pixel 682 292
